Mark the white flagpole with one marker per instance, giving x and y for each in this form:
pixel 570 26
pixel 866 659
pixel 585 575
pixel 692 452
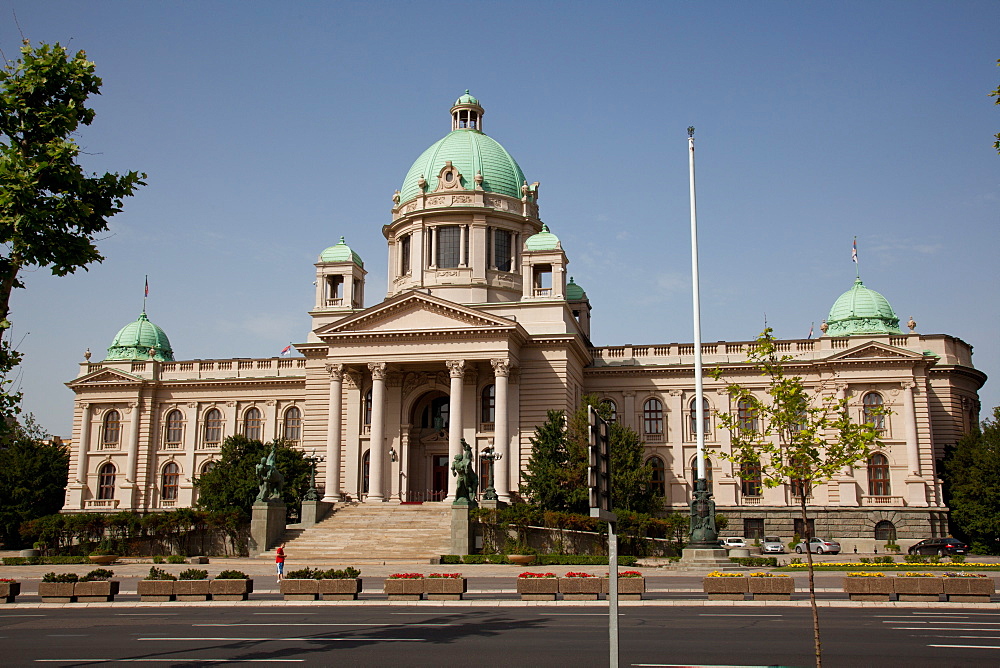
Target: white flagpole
pixel 699 390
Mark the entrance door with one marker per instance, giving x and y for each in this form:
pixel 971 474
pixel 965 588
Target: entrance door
pixel 439 478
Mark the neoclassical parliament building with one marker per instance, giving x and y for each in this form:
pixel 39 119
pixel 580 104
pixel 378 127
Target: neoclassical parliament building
pixel 482 331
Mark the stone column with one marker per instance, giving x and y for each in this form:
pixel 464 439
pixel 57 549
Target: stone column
pixel 132 465
pixel 376 442
pixel 84 447
pixel 846 482
pixel 910 424
pixel 456 369
pixel 333 431
pixel 501 431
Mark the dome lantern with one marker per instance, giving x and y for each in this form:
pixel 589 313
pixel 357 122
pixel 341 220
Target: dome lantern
pixel 467 114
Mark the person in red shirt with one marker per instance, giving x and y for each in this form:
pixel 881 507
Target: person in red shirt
pixel 279 560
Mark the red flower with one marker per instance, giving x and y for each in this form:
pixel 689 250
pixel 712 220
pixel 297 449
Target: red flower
pixel 455 576
pixel 529 574
pixel 406 576
pixel 574 574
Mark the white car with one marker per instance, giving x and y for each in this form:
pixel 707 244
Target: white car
pixel 820 546
pixel 732 541
pixel 772 545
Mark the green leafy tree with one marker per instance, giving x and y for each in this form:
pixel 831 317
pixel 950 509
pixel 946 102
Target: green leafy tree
pixel 553 479
pixel 33 472
pixel 50 211
pixel 996 94
pixel 796 437
pixel 972 485
pixel 232 484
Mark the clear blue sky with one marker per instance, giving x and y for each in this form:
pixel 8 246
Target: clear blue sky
pixel 270 129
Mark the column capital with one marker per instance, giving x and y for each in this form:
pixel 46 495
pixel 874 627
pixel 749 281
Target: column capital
pixel 85 405
pixel 377 369
pixel 908 385
pixel 335 370
pixel 456 368
pixel 501 367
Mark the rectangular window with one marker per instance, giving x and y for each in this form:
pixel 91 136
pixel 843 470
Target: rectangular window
pixel 404 255
pixel 449 240
pixel 805 531
pixel 503 250
pixel 490 263
pixel 753 528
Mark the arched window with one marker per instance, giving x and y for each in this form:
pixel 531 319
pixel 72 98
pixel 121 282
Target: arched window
pixel 174 432
pixel 170 482
pixel 365 471
pixel 112 428
pixel 253 424
pixel 870 412
pixel 106 481
pixel 751 481
pixel 207 466
pixel 885 530
pixel 708 472
pixel 652 416
pixel 693 418
pixel 878 475
pixel 292 431
pixel 367 410
pixel 213 428
pixel 746 415
pixel 612 409
pixel 488 412
pixel 659 477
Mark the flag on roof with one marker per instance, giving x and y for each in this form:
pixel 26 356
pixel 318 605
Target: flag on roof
pixel 854 251
pixel 287 350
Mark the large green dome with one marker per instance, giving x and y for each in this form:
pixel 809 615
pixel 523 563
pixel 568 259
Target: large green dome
pixel 135 340
pixel 861 311
pixel 471 152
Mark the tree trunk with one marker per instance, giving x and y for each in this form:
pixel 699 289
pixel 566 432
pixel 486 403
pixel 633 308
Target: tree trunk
pixel 812 581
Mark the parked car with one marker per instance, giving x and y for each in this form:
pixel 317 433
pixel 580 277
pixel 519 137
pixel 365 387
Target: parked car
pixel 939 546
pixel 819 546
pixel 733 541
pixel 772 545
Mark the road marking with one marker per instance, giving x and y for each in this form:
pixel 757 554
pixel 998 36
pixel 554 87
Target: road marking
pixel 288 613
pixel 317 624
pixel 145 614
pixel 177 659
pixel 937 621
pixel 968 646
pixel 694 665
pixel 295 639
pixel 708 614
pixel 935 628
pixel 22 615
pixel 67 635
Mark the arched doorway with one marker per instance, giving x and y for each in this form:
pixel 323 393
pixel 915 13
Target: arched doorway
pixel 427 470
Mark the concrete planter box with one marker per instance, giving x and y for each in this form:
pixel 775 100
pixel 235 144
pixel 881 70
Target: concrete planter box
pixel 155 591
pixel 629 589
pixel 99 590
pixel 918 589
pixel 9 591
pixel 299 590
pixel 538 589
pixel 868 589
pixel 404 589
pixel 57 592
pixel 580 589
pixel 726 589
pixel 445 589
pixel 968 590
pixel 345 589
pixel 771 589
pixel 230 590
pixel 196 590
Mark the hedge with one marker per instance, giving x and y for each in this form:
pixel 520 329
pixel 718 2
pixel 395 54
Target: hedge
pixel 540 560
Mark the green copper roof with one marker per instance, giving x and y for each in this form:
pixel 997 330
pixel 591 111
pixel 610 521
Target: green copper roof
pixel 544 240
pixel 341 252
pixel 861 311
pixel 135 339
pixel 466 99
pixel 470 151
pixel 574 292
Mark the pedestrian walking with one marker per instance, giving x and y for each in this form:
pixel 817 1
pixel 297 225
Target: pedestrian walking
pixel 279 560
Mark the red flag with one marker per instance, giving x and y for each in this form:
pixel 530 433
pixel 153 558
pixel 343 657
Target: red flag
pixel 147 286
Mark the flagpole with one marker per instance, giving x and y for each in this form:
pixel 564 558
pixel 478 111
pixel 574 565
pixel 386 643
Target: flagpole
pixel 699 389
pixel 145 294
pixel 854 256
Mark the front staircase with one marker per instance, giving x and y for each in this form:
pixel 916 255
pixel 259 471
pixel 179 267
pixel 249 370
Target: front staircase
pixel 360 532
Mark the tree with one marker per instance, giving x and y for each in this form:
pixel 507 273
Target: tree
pixel 793 436
pixel 996 94
pixel 555 478
pixel 33 473
pixel 232 484
pixel 50 211
pixel 972 485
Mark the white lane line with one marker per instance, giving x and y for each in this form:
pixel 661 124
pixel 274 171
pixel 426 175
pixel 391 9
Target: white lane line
pixel 22 615
pixel 957 637
pixel 968 646
pixel 286 613
pixel 937 628
pixel 706 614
pixel 968 613
pixel 145 614
pixel 938 621
pixel 66 635
pixel 177 659
pixel 318 624
pixel 692 665
pixel 292 639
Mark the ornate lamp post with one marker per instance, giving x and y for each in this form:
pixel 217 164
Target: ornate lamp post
pixel 490 454
pixel 313 493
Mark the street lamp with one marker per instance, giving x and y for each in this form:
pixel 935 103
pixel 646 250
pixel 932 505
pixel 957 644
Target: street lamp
pixel 313 493
pixel 490 454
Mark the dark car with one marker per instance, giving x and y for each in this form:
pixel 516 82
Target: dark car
pixel 940 546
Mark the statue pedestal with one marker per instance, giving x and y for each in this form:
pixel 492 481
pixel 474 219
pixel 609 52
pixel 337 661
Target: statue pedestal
pixel 707 557
pixel 313 512
pixel 461 537
pixel 267 524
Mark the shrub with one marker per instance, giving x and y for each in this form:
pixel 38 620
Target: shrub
pixel 157 560
pixel 158 574
pixel 453 558
pixel 176 559
pixel 866 560
pixel 194 574
pixel 406 576
pixel 958 558
pixel 915 559
pixel 883 560
pixel 303 574
pixel 98 574
pixel 348 573
pixel 755 562
pixel 60 577
pixel 232 575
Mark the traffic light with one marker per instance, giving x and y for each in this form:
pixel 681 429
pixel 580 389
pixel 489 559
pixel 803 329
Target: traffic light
pixel 600 465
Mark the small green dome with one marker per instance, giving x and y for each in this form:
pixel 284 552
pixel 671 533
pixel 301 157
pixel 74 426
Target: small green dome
pixel 542 241
pixel 861 311
pixel 574 293
pixel 135 340
pixel 466 99
pixel 341 252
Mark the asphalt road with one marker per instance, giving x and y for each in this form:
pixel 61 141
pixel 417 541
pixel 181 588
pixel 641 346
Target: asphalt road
pixel 408 636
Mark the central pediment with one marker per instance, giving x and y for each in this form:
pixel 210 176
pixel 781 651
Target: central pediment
pixel 106 377
pixel 414 312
